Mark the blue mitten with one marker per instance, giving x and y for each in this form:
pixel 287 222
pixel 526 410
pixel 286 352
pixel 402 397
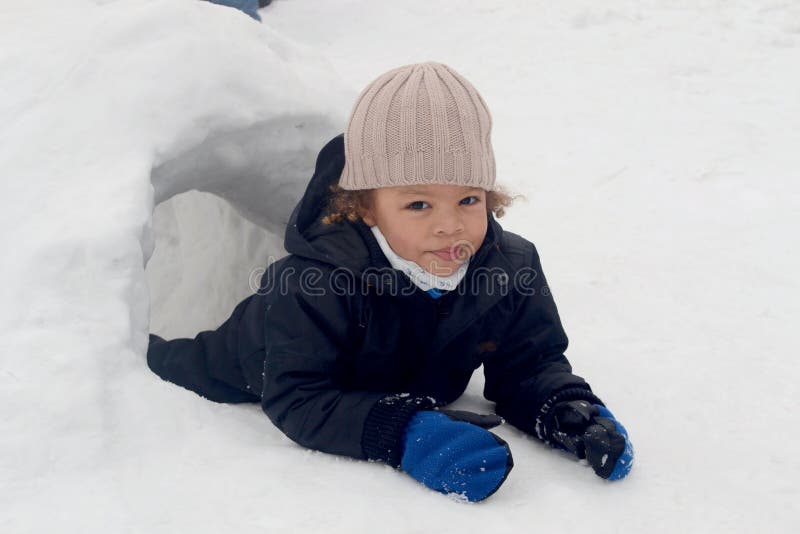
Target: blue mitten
pixel 452 452
pixel 590 431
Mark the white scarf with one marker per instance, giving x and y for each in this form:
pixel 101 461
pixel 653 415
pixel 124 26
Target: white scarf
pixel 422 279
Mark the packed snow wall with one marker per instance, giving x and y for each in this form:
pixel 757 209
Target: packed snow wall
pixel 184 105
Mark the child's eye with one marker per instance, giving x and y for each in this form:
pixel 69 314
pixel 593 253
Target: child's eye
pixel 417 205
pixel 476 200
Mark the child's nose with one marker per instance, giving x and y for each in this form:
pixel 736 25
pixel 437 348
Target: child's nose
pixel 448 225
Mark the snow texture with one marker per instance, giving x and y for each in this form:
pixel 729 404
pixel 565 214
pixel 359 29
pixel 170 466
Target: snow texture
pixel 656 143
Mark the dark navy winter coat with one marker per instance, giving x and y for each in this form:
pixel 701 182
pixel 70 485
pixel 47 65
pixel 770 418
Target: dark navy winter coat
pixel 340 349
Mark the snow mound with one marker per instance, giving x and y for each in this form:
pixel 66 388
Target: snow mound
pixel 108 109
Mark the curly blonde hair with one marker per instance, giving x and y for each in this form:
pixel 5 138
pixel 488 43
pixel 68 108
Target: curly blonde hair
pixel 345 204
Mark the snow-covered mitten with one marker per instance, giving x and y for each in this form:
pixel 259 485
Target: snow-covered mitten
pixel 590 431
pixel 452 452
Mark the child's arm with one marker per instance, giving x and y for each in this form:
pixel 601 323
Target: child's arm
pixel 532 383
pixel 529 371
pixel 307 333
pixel 307 330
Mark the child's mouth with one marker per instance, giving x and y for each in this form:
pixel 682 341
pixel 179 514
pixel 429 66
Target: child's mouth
pixel 450 254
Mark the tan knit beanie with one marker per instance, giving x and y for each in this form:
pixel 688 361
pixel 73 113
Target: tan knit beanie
pixel 418 124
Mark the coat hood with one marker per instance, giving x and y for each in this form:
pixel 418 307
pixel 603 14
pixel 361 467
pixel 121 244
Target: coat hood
pixel 349 245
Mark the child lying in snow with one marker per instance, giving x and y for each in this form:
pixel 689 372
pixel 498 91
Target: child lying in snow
pixel 399 284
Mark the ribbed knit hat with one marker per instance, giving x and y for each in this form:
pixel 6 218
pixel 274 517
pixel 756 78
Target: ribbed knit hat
pixel 419 124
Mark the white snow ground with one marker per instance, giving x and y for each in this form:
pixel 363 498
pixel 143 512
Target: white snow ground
pixel 657 145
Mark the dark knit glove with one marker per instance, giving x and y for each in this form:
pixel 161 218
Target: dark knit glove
pixel 590 431
pixel 452 452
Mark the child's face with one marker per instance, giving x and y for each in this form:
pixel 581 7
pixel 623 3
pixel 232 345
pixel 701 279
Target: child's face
pixel 436 226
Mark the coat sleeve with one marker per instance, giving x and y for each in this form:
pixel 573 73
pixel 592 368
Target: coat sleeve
pixel 307 332
pixel 528 373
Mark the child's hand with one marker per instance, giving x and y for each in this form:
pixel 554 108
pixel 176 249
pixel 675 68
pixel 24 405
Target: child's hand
pixel 452 453
pixel 590 431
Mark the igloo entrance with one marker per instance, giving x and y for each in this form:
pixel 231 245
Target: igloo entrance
pixel 221 210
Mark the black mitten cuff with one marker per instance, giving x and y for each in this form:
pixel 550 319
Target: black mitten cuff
pixel 544 420
pixel 385 424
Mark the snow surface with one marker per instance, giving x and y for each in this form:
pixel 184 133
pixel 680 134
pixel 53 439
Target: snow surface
pixel 656 142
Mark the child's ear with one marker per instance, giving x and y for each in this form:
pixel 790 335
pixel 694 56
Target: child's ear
pixel 366 208
pixel 366 216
